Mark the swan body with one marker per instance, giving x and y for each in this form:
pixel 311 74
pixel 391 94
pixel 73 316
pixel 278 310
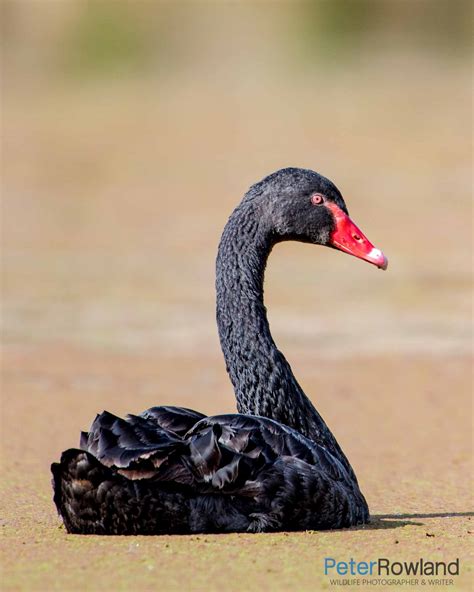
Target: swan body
pixel 273 466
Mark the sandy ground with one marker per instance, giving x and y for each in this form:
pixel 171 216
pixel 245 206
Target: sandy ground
pixel 410 448
pixel 115 199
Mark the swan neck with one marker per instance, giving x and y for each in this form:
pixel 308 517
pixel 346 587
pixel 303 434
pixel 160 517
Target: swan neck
pixel 262 378
pixel 241 315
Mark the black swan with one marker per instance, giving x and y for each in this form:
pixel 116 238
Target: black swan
pixel 273 466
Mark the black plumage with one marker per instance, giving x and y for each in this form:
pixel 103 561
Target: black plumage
pixel 273 466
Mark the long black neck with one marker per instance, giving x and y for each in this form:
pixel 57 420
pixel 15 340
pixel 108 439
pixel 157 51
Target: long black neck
pixel 263 381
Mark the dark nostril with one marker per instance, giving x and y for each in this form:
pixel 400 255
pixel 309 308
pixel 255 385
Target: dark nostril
pixel 357 237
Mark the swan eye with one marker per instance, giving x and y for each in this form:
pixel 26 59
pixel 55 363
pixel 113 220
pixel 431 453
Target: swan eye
pixel 317 199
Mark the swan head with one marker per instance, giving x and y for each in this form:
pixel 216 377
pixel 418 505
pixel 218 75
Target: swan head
pixel 299 204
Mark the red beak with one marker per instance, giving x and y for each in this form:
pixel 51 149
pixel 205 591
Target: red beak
pixel 348 238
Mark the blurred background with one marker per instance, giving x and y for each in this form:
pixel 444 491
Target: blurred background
pixel 132 129
pixel 130 132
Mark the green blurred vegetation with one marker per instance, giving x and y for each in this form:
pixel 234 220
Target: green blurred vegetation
pixel 336 25
pixel 344 26
pixel 106 38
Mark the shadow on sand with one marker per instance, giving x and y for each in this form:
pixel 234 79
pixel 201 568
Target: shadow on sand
pixel 384 521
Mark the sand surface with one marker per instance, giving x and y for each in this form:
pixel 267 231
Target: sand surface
pixel 410 448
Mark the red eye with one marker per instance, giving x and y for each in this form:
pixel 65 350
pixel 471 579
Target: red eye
pixel 317 199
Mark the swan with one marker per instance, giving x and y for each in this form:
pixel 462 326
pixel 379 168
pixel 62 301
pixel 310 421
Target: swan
pixel 274 465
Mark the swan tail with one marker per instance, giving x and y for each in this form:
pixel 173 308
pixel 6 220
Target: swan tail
pixel 94 499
